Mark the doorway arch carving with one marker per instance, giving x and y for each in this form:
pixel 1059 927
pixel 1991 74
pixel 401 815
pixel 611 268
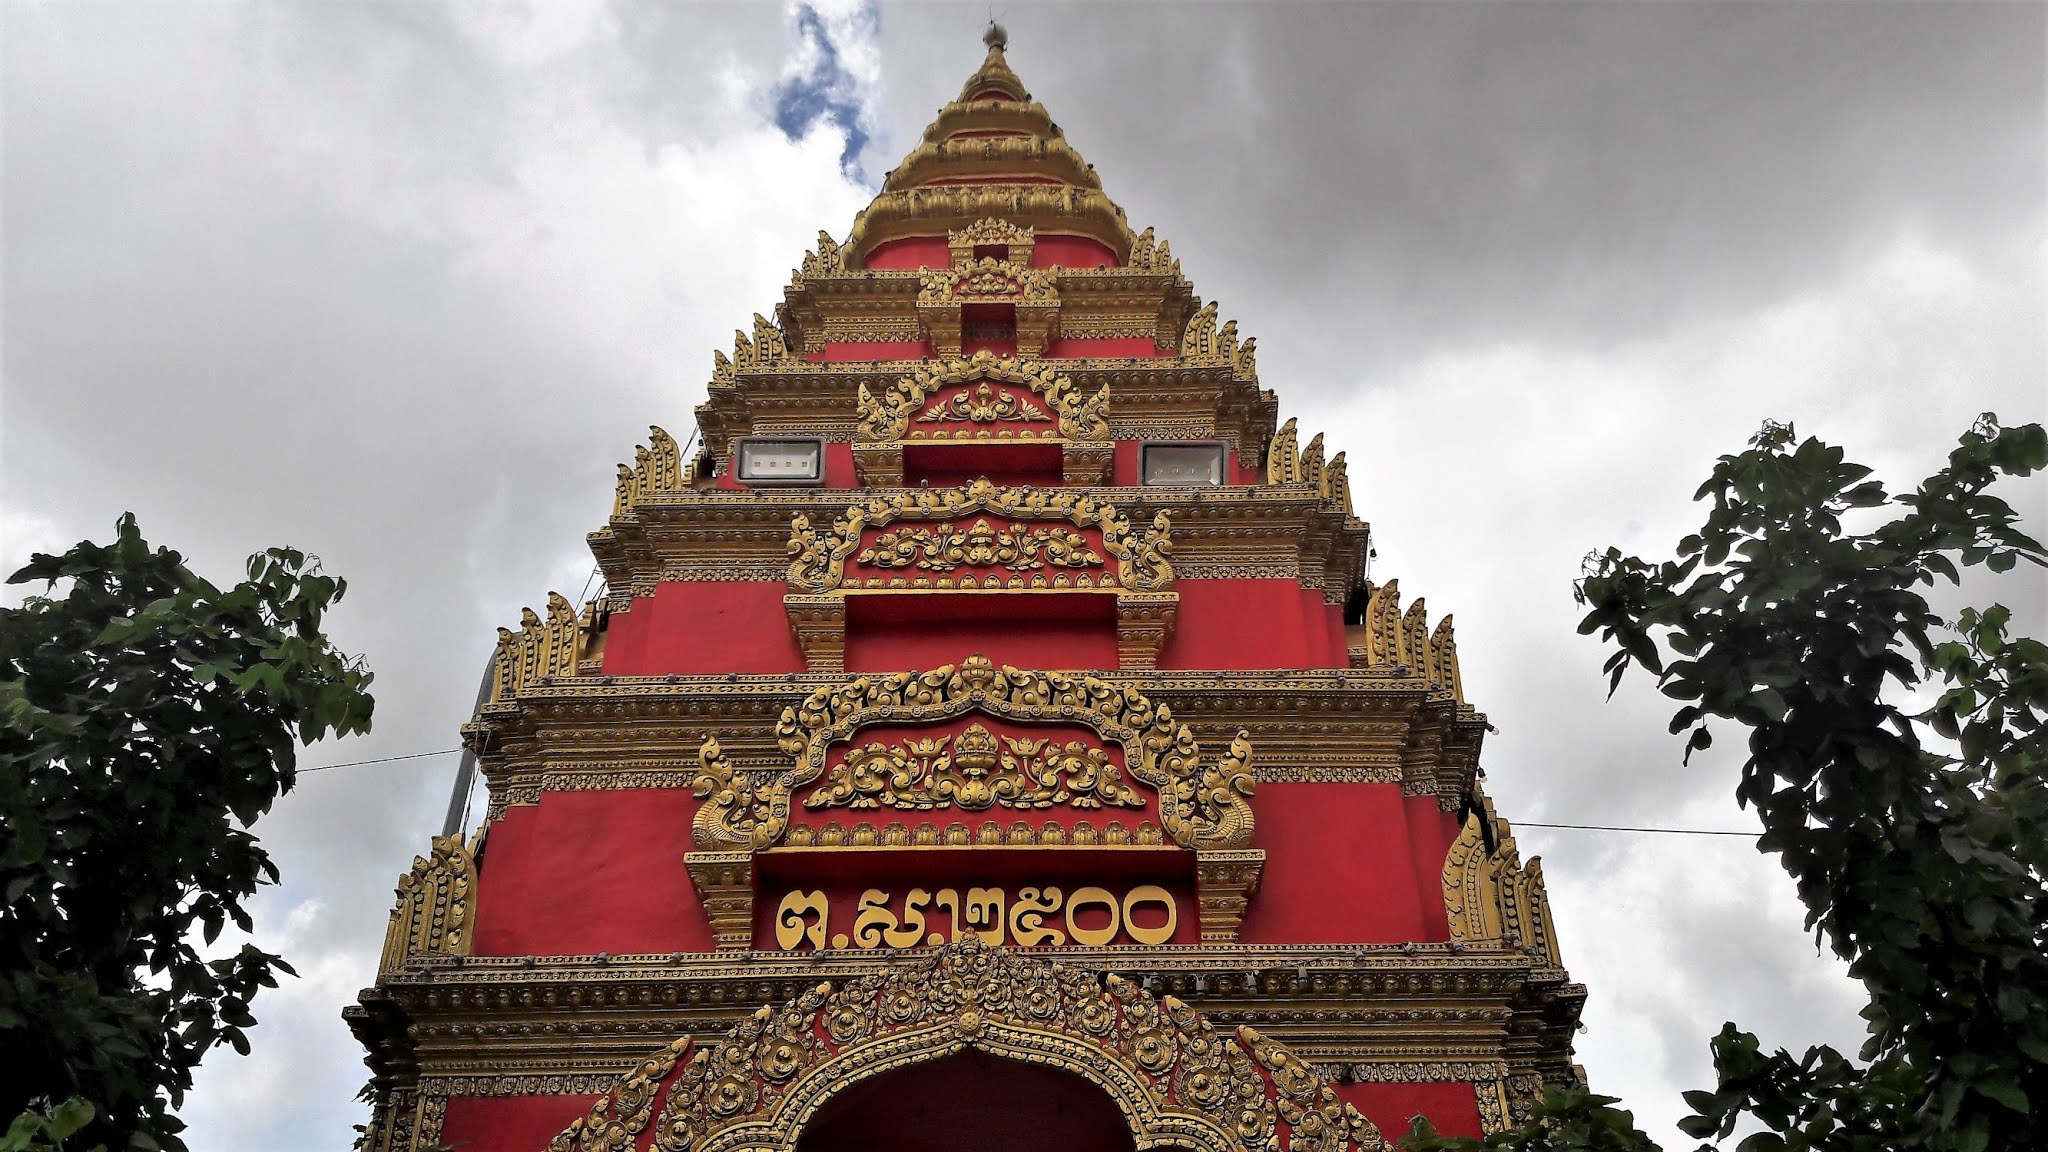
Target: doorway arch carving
pixel 1178 1080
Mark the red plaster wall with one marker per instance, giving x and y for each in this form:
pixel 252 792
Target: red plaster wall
pixel 1338 867
pixel 910 252
pixel 601 872
pixel 1072 252
pixel 1030 630
pixel 501 921
pixel 704 627
pixel 1429 845
pixel 509 1123
pixel 1452 1107
pixel 1270 623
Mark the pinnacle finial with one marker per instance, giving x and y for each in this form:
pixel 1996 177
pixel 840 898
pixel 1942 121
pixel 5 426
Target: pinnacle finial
pixel 997 36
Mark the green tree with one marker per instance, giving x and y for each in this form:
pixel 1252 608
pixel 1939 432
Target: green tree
pixel 1916 833
pixel 147 718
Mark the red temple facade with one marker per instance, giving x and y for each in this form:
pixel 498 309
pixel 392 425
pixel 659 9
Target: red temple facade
pixel 990 737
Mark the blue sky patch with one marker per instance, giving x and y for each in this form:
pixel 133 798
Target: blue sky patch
pixel 819 87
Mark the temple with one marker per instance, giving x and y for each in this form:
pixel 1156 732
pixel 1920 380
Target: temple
pixel 988 737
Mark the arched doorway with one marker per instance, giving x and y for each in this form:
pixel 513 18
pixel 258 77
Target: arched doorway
pixel 971 1101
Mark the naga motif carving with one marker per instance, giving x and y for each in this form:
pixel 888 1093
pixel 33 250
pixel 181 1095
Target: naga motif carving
pixel 1392 638
pixel 734 814
pixel 435 913
pixel 657 470
pixel 1489 894
pixel 1177 1078
pixel 974 770
pixel 887 418
pixel 1286 463
pixel 540 649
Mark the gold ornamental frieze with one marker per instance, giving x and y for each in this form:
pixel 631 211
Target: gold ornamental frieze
pixel 1102 553
pixel 1204 807
pixel 974 770
pixel 1178 1080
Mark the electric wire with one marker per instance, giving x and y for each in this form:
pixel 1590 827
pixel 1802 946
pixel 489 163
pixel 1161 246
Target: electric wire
pixel 380 760
pixel 1632 828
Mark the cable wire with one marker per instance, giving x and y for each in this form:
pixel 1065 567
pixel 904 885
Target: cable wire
pixel 1628 828
pixel 380 760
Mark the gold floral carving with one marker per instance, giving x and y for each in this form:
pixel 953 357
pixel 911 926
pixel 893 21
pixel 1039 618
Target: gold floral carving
pixel 1018 548
pixel 1489 894
pixel 540 649
pixel 1178 1080
pixel 887 418
pixel 1143 560
pixel 1390 638
pixel 983 405
pixel 435 912
pixel 973 771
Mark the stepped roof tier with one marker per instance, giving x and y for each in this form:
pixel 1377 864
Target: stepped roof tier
pixel 989 721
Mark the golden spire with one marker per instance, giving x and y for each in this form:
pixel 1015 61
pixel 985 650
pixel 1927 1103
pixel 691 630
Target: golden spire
pixel 992 153
pixel 995 77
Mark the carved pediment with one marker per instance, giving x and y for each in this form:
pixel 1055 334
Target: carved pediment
pixel 1142 560
pixel 1199 806
pixel 981 389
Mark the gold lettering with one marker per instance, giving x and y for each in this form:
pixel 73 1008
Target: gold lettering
pixel 790 927
pixel 985 907
pixel 1091 897
pixel 872 918
pixel 912 932
pixel 1033 917
pixel 949 899
pixel 1150 894
pixel 1028 915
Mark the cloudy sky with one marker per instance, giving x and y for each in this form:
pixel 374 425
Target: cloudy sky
pixel 399 282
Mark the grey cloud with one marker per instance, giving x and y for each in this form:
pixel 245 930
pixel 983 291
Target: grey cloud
pixel 1558 173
